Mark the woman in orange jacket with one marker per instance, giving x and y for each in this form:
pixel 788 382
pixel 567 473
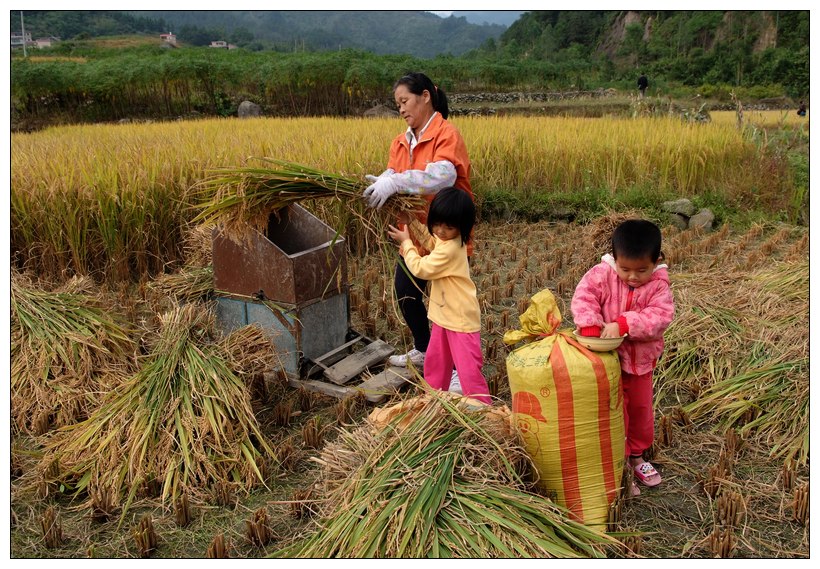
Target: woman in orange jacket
pixel 429 156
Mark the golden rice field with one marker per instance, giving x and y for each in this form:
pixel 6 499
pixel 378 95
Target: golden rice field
pixel 762 119
pixel 112 200
pixel 43 58
pixel 139 430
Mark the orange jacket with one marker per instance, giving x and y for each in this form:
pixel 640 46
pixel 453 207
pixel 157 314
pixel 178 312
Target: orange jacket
pixel 441 141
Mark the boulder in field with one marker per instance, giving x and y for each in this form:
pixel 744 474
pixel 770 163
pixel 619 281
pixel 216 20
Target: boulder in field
pixel 678 220
pixel 704 219
pixel 381 111
pixel 682 206
pixel 248 109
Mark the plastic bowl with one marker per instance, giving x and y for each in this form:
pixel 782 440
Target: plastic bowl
pixel 598 344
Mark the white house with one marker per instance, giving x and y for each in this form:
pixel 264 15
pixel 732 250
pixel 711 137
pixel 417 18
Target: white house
pixel 46 42
pixel 17 39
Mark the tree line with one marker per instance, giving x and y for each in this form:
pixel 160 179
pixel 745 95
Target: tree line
pixel 686 53
pixel 742 48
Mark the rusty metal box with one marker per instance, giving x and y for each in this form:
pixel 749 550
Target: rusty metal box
pixel 297 259
pixel 298 332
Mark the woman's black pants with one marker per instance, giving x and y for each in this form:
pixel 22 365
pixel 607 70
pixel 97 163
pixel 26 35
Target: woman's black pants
pixel 410 294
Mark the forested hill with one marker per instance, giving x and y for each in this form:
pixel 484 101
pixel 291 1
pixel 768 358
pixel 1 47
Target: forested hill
pixel 383 32
pixel 420 34
pixel 693 47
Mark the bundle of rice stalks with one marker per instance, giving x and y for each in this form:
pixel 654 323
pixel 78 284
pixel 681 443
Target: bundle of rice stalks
pixel 67 350
pixel 197 246
pixel 438 480
pixel 188 284
pixel 185 417
pixel 744 338
pixel 234 199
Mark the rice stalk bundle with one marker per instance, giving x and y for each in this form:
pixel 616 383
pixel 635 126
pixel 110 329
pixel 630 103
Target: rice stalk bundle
pixel 239 198
pixel 597 234
pixel 185 416
pixel 775 396
pixel 435 481
pixel 188 284
pixel 746 335
pixel 197 246
pixel 67 351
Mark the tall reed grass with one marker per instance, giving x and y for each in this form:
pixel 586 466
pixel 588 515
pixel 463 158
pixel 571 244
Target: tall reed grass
pixel 113 200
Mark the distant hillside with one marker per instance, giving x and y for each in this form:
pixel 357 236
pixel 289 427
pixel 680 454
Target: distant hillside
pixel 691 47
pixel 500 17
pixel 81 24
pixel 420 34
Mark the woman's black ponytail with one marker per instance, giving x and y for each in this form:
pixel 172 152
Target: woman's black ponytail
pixel 417 83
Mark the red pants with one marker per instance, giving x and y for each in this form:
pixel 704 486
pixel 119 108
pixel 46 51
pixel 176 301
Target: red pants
pixel 639 415
pixel 462 350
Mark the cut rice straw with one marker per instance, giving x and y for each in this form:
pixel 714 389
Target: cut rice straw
pixel 740 343
pixel 67 351
pixel 184 419
pixel 236 199
pixel 439 480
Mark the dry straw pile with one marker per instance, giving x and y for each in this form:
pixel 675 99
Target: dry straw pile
pixel 438 479
pixel 183 420
pixel 737 353
pixel 67 350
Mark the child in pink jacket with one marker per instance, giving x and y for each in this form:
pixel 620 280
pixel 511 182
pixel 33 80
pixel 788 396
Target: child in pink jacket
pixel 628 293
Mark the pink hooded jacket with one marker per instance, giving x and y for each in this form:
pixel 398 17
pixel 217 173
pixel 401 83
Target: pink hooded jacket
pixel 602 297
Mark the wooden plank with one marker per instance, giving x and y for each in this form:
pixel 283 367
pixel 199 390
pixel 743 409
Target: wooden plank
pixel 354 364
pixel 321 360
pixel 338 391
pixel 382 385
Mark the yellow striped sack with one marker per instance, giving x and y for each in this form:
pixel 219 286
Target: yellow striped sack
pixel 567 402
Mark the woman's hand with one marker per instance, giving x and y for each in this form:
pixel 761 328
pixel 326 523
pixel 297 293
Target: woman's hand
pixel 398 235
pixel 380 190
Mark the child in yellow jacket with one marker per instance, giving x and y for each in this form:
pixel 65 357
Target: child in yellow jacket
pixel 453 308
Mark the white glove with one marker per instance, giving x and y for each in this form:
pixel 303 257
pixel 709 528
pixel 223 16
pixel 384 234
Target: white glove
pixel 382 188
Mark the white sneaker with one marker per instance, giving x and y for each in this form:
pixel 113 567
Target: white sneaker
pixel 455 384
pixel 414 356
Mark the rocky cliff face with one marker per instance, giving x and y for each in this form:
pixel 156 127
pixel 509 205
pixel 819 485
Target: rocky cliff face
pixel 762 23
pixel 613 38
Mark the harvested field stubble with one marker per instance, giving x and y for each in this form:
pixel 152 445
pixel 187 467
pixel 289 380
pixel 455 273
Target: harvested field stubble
pixel 758 308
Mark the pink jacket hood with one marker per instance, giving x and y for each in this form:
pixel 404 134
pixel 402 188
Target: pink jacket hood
pixel 601 297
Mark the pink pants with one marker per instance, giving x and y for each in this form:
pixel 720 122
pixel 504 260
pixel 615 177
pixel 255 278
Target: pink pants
pixel 639 416
pixel 459 349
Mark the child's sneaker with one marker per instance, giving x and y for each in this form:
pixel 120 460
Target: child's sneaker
pixel 455 384
pixel 414 356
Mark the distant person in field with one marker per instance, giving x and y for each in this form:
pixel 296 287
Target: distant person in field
pixel 628 293
pixel 643 83
pixel 801 110
pixel 429 156
pixel 455 340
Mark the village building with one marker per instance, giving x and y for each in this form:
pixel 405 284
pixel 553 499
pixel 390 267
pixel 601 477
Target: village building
pixel 222 45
